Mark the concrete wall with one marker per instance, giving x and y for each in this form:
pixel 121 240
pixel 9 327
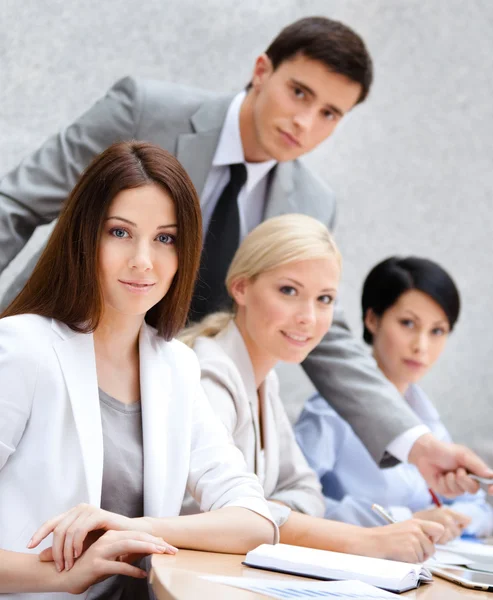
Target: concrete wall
pixel 411 167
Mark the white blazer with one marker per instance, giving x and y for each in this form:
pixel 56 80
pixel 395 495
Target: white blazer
pixel 229 382
pixel 51 444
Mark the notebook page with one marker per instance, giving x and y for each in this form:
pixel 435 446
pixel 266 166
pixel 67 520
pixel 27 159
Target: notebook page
pixel 280 588
pixel 336 565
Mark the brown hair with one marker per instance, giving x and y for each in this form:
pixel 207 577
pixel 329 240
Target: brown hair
pixel 65 283
pixel 330 42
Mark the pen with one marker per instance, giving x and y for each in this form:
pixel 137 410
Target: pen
pixel 435 498
pixel 381 512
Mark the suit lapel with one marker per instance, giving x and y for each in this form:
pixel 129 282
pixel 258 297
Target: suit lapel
pixel 156 392
pixel 75 352
pixel 281 198
pixel 196 150
pixel 271 441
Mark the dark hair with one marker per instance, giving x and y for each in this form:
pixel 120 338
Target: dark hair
pixel 337 46
pixel 388 280
pixel 65 283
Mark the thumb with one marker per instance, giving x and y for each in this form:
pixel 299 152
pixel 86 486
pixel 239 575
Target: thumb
pixel 46 555
pixel 472 463
pixel 432 529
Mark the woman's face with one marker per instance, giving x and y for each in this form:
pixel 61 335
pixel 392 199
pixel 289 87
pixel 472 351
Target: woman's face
pixel 137 252
pixel 284 313
pixel 408 338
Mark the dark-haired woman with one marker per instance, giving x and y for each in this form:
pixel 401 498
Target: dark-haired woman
pixel 410 306
pixel 103 422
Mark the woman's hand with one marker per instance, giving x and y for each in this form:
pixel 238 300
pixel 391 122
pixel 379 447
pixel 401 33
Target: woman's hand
pixel 410 541
pixel 453 522
pixel 71 528
pixel 108 556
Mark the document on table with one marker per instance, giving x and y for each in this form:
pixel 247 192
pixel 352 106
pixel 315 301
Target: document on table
pixel 281 588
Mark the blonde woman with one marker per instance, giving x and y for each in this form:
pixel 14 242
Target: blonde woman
pixel 283 281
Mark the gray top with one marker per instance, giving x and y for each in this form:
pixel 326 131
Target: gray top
pixel 122 487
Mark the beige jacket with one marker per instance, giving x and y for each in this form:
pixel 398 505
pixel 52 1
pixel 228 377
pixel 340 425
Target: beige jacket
pixel 229 383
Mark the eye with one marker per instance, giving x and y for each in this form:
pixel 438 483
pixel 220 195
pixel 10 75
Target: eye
pixel 408 323
pixel 439 331
pixel 326 299
pixel 119 232
pixel 298 92
pixel 329 115
pixel 166 238
pixel 288 290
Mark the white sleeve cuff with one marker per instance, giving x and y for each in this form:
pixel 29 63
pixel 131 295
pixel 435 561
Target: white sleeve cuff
pixel 401 446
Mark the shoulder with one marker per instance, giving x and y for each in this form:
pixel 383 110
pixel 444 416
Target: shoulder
pixel 29 329
pixel 217 365
pixel 180 101
pixel 319 199
pixel 174 351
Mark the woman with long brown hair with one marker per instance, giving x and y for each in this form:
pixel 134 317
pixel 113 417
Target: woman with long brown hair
pixel 103 422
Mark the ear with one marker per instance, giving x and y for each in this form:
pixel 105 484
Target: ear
pixel 261 71
pixel 238 290
pixel 371 321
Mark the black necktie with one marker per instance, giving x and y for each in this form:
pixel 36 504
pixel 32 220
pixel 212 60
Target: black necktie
pixel 221 242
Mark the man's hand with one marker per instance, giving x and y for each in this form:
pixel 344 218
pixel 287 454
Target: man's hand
pixel 445 466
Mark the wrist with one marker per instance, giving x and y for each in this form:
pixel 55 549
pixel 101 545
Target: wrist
pixel 144 524
pixel 421 448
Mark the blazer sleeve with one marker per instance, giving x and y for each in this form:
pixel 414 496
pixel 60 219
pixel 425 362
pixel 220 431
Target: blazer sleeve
pixel 33 193
pixel 297 486
pixel 218 475
pixel 18 375
pixel 348 378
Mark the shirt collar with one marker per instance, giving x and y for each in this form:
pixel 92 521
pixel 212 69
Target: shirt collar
pixel 230 149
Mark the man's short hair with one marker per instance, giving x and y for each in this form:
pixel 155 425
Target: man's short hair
pixel 334 44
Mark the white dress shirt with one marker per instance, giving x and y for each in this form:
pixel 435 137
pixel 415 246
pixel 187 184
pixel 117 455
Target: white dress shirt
pixel 229 151
pixel 351 481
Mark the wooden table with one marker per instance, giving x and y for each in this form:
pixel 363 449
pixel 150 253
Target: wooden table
pixel 177 578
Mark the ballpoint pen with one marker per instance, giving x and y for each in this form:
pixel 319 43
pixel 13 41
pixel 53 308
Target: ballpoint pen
pixel 381 512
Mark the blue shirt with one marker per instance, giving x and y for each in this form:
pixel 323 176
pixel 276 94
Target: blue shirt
pixel 352 482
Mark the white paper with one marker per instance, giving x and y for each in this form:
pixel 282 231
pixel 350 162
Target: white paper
pixel 446 557
pixel 284 589
pixel 475 550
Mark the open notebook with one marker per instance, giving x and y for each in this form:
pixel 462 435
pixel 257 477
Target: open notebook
pixel 322 564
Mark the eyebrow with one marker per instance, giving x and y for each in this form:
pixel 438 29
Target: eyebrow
pixel 301 285
pixel 308 90
pixel 135 224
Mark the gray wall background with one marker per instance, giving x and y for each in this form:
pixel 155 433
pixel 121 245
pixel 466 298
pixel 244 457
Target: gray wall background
pixel 411 167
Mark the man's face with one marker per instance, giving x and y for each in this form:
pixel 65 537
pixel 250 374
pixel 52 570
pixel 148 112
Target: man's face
pixel 296 107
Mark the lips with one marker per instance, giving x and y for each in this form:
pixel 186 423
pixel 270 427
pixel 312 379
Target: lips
pixel 139 287
pixel 290 139
pixel 296 338
pixel 413 364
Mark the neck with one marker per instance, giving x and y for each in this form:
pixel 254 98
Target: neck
pixel 262 362
pixel 251 148
pixel 401 386
pixel 117 334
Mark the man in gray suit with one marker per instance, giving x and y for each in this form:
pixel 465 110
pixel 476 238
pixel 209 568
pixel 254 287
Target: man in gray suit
pixel 311 75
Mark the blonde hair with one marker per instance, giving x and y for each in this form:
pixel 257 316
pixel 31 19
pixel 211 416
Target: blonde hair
pixel 275 242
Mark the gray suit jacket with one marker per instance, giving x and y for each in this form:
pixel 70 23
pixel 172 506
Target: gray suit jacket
pixel 188 122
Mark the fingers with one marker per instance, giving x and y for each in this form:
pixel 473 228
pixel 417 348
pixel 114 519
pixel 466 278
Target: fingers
pixel 434 531
pixel 461 519
pixel 46 529
pixel 465 483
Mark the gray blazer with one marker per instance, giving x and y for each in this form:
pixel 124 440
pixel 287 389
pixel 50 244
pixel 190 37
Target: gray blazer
pixel 188 122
